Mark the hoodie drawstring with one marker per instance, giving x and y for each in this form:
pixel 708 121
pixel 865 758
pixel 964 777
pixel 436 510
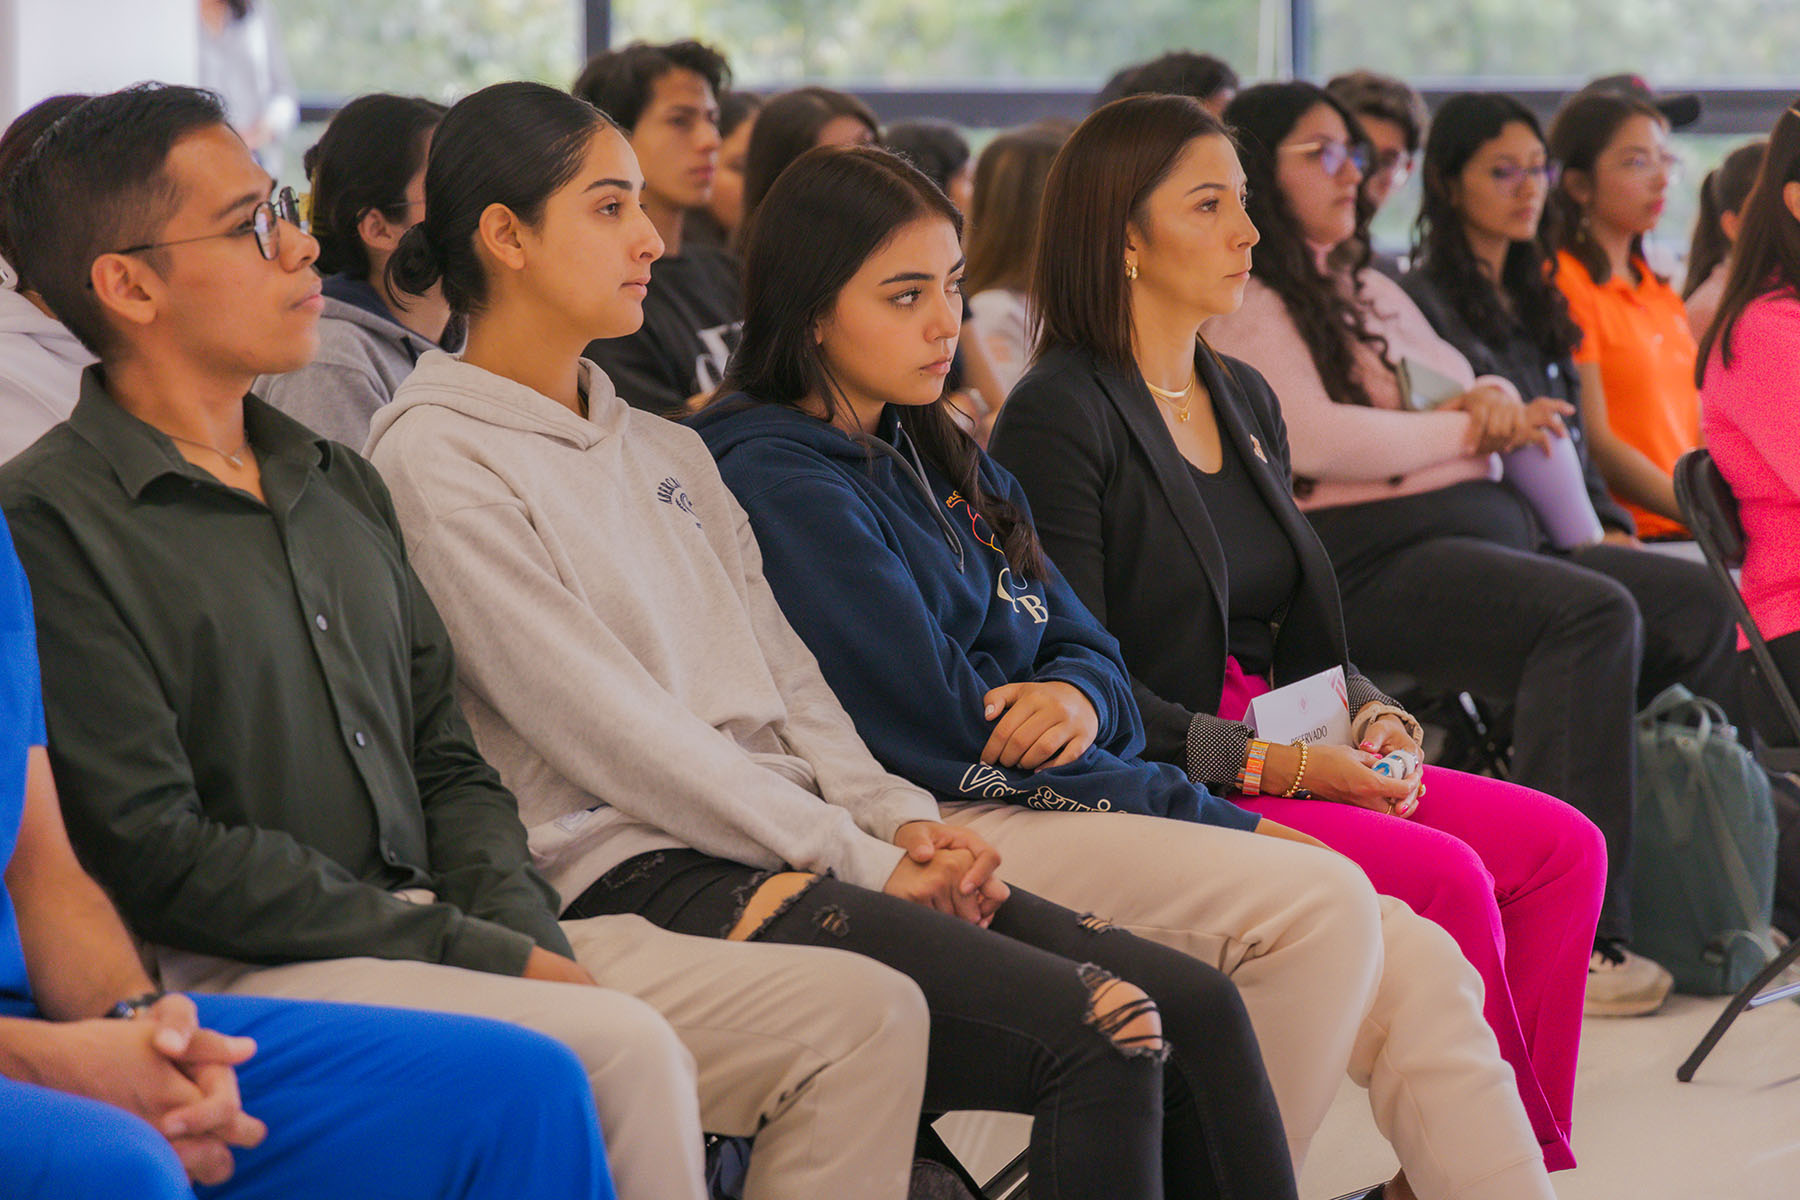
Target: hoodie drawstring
pixel 915 470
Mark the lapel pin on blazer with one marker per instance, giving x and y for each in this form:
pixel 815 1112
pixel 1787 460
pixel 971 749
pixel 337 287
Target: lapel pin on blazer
pixel 1256 448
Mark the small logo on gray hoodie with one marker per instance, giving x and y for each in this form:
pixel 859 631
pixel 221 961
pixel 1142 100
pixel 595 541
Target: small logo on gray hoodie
pixel 670 491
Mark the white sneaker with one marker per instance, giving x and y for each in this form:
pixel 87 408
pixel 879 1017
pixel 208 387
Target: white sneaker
pixel 1623 984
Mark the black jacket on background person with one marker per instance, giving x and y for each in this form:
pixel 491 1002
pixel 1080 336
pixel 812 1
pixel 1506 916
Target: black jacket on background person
pixel 1511 354
pixel 1119 514
pixel 693 317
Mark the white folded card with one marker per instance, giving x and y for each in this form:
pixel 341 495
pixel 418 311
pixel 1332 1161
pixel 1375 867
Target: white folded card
pixel 1315 710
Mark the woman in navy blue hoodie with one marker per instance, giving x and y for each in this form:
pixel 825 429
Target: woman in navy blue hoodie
pixel 907 561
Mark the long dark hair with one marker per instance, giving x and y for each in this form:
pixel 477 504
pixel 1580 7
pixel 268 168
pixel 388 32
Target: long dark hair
pixel 1009 195
pixel 1767 256
pixel 1097 186
pixel 364 160
pixel 787 127
pixel 1722 191
pixel 514 144
pixel 1464 124
pixel 827 213
pixel 1329 321
pixel 1579 134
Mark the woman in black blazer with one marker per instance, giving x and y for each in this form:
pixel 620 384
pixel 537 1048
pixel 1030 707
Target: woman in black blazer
pixel 1158 477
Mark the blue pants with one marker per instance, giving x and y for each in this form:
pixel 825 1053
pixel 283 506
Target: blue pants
pixel 361 1104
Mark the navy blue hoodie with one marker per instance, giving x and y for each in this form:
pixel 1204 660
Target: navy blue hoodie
pixel 904 596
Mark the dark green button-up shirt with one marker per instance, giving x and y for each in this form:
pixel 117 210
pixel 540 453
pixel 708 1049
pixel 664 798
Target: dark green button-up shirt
pixel 250 705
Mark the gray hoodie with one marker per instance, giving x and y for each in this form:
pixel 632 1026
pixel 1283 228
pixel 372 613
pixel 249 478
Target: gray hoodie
pixel 363 356
pixel 40 372
pixel 620 656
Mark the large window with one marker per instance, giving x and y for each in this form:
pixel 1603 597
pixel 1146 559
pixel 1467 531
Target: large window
pixel 972 44
pixel 1731 42
pixel 437 48
pixel 993 62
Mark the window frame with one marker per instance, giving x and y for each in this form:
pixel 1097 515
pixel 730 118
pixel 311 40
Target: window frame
pixel 1724 111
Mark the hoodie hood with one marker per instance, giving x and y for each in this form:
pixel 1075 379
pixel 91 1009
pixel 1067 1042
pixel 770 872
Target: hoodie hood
pixel 21 319
pixel 732 420
pixel 40 372
pixel 443 380
pixel 737 420
pixel 356 302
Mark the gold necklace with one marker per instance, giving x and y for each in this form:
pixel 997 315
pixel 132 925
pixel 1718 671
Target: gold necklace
pixel 1180 401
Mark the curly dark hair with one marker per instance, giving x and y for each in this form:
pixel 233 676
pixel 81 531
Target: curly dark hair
pixel 1464 124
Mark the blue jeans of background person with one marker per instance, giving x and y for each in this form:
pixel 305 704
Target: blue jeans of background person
pixel 361 1103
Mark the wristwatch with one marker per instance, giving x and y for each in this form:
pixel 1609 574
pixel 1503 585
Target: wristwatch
pixel 125 1010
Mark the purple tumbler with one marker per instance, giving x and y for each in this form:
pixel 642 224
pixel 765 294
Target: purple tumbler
pixel 1553 485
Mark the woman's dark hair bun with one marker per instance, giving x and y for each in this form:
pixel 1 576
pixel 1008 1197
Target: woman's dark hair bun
pixel 414 267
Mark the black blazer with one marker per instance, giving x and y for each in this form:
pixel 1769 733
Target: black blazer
pixel 1123 520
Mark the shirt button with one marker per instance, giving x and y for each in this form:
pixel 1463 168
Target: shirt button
pixel 387 850
pixel 360 739
pixel 321 622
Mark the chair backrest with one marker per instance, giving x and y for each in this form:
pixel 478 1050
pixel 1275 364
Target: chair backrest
pixel 1711 511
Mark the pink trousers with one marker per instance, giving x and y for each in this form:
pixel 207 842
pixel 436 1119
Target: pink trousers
pixel 1514 875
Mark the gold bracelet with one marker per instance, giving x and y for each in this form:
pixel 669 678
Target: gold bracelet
pixel 1299 773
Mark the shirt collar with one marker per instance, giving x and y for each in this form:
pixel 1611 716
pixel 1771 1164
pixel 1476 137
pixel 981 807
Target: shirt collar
pixel 140 454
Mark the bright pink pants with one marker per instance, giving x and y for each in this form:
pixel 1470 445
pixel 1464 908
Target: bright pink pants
pixel 1514 875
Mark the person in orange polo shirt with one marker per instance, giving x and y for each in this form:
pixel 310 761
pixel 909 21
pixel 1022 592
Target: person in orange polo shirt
pixel 1636 359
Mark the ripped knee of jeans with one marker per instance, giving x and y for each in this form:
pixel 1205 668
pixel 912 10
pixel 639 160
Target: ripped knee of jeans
pixel 765 898
pixel 1093 924
pixel 832 919
pixel 1122 1014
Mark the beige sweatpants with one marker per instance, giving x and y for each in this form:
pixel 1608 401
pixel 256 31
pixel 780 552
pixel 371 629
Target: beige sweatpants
pixel 1334 978
pixel 818 1053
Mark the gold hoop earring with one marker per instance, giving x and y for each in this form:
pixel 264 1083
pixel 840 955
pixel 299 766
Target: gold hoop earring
pixel 1131 270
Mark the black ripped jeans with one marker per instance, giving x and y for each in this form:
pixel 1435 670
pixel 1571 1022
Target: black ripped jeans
pixel 1013 1027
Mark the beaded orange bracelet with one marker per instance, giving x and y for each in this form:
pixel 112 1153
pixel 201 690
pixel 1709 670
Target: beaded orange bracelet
pixel 1250 778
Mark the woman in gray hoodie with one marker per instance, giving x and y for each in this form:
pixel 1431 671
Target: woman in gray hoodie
pixel 368 188
pixel 40 359
pixel 674 748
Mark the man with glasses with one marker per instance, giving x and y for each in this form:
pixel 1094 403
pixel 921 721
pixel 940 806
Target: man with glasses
pixel 251 708
pixel 1392 116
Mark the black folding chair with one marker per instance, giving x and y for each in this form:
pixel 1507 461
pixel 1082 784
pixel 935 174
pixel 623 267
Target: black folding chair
pixel 1712 514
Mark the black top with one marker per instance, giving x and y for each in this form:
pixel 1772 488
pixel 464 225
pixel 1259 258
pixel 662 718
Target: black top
pixel 1263 567
pixel 251 706
pixel 1120 514
pixel 1511 354
pixel 693 318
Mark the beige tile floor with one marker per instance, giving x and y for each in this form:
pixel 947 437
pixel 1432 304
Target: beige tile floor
pixel 1732 1134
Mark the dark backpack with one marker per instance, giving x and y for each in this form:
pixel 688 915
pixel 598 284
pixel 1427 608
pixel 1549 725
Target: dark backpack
pixel 1703 879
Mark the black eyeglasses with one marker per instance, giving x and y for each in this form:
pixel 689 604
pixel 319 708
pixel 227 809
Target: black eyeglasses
pixel 264 224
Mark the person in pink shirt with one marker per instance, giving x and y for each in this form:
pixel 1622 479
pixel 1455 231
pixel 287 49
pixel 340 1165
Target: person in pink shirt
pixel 1722 196
pixel 1438 563
pixel 1750 408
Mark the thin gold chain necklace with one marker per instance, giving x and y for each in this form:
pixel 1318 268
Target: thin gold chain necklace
pixel 1180 401
pixel 236 459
